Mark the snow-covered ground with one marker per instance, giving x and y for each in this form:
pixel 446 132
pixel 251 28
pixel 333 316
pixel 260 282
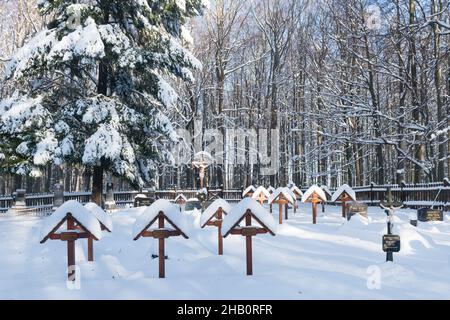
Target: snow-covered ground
pixel 334 259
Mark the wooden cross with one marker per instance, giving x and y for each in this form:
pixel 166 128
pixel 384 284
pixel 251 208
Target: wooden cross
pixel 261 198
pixel 315 200
pixel 281 200
pixel 75 231
pixel 248 232
pixel 217 223
pixel 161 234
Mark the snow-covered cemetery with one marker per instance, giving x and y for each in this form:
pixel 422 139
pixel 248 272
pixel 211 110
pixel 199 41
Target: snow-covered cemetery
pixel 225 150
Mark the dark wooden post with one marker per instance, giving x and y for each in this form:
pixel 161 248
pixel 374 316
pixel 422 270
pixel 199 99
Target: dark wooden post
pixel 161 253
pixel 344 200
pixel 90 249
pixel 315 200
pixel 323 206
pixel 70 251
pixel 248 223
pixel 286 211
pixel 280 216
pixel 219 232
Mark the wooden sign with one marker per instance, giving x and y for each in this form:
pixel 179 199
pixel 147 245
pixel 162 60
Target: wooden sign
pixel 161 211
pixel 391 243
pixel 282 197
pixel 427 215
pixel 213 216
pixel 356 208
pixel 314 195
pixel 344 194
pixel 80 224
pixel 248 210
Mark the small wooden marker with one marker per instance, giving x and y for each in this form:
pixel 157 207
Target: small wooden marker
pixel 152 215
pixel 344 194
pixel 74 230
pixel 248 231
pixel 315 195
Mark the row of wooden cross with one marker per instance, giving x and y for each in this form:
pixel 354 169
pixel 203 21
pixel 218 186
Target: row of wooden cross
pixel 88 222
pixel 285 196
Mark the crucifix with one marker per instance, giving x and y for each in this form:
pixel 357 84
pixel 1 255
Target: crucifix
pixel 201 163
pixel 391 242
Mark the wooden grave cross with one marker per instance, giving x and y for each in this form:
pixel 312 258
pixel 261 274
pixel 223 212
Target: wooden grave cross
pixel 249 231
pixel 105 225
pixel 74 231
pixel 344 195
pixel 282 201
pixel 161 234
pixel 215 219
pixel 314 195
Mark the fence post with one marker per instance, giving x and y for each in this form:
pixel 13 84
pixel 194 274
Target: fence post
pixel 372 184
pixel 58 195
pixel 110 203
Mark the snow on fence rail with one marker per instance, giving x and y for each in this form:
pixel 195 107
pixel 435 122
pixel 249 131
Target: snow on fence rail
pixel 414 196
pixel 44 201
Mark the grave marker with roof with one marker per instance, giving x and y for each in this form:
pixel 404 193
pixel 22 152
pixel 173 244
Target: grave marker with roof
pixel 213 216
pixel 345 194
pixel 250 211
pixel 314 195
pixel 160 212
pixel 80 224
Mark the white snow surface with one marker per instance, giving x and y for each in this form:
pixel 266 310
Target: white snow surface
pixel 331 260
pixel 170 210
pixel 248 190
pixel 260 190
pixel 314 189
pixel 212 209
pixel 344 188
pixel 239 211
pixel 80 213
pixel 100 214
pixel 288 195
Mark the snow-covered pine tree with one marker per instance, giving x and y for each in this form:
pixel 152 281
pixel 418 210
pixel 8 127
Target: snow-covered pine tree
pixel 93 86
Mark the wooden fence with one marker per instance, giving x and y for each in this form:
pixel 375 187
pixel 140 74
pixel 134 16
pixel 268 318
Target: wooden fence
pixel 414 196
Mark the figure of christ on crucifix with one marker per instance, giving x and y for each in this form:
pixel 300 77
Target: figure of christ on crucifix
pixel 202 161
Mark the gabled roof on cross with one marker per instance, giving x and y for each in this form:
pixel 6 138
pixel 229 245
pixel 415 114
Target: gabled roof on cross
pixel 171 214
pixel 314 189
pixel 326 190
pixel 260 190
pixel 103 217
pixel 82 216
pixel 285 192
pixel 248 190
pixel 209 213
pixel 296 190
pixel 180 197
pixel 340 191
pixel 237 214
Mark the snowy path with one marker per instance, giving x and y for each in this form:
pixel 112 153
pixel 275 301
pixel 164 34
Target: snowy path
pixel 329 260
